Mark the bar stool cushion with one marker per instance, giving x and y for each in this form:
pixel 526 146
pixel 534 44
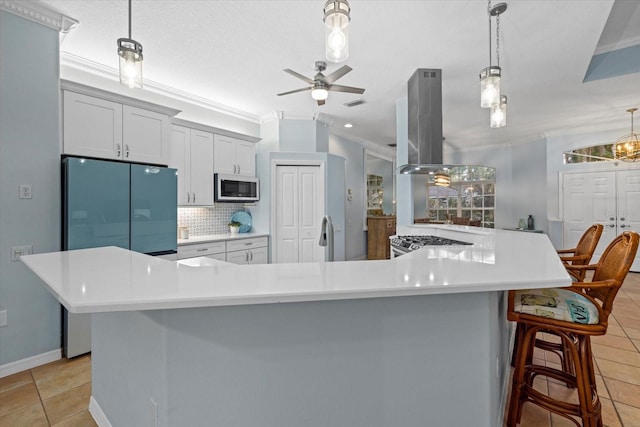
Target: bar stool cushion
pixel 555 303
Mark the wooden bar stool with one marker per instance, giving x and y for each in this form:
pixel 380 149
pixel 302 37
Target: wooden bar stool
pixel 582 253
pixel 574 314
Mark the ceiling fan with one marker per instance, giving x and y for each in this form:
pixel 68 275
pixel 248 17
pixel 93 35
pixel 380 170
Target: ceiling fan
pixel 320 85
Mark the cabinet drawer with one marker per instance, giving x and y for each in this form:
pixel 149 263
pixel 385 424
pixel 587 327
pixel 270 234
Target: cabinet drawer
pixel 240 244
pixel 201 249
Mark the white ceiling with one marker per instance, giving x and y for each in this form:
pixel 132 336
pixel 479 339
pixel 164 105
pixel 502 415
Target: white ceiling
pixel 233 53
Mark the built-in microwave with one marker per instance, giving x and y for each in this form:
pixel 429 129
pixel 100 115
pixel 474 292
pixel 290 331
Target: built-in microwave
pixel 235 188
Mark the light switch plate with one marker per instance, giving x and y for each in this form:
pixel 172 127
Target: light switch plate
pixel 18 251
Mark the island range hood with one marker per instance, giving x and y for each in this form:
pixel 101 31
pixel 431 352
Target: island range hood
pixel 425 123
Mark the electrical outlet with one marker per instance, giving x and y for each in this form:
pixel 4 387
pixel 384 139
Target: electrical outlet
pixel 3 318
pixel 25 191
pixel 18 251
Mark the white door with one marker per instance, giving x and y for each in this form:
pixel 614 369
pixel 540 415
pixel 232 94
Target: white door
pixel 629 205
pixel 299 209
pixel 601 197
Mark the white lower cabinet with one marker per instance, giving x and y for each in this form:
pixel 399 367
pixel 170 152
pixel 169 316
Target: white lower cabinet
pixel 252 250
pixel 215 250
pixel 248 251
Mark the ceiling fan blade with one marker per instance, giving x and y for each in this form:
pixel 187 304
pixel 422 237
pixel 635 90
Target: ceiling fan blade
pixel 337 74
pixel 294 91
pixel 348 89
pixel 298 75
pixel 321 101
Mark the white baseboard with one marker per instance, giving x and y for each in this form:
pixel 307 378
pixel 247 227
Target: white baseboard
pixel 96 412
pixel 30 362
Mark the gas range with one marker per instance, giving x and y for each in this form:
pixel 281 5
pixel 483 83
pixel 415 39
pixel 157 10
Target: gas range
pixel 405 244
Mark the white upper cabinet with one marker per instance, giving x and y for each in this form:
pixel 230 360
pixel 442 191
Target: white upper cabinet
pixel 92 126
pixel 100 126
pixel 145 136
pixel 192 155
pixel 234 156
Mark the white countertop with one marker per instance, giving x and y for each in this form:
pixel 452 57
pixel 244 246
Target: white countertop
pixel 114 279
pixel 218 237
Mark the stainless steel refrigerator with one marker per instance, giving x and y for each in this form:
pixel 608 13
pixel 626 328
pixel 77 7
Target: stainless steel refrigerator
pixel 107 203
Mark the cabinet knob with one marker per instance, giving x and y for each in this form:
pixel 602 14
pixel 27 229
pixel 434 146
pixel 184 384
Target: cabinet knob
pixel 251 252
pixel 188 197
pixel 238 169
pixel 126 150
pixel 611 218
pixel 622 219
pixel 118 150
pixel 194 197
pixel 624 226
pixel 611 225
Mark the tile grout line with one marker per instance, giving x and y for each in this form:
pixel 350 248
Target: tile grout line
pixel 40 401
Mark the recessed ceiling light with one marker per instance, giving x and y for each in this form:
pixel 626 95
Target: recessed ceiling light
pixel 348 125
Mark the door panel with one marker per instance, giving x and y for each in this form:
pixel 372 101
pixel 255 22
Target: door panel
pixel 299 211
pixel 201 160
pixel 629 205
pixel 154 213
pixel 96 211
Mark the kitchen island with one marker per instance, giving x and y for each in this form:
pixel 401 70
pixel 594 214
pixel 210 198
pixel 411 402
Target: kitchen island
pixel 417 340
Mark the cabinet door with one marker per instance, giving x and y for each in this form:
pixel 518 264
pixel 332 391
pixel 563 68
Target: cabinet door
pixel 180 142
pixel 224 156
pixel 201 159
pixel 246 158
pixel 145 135
pixel 92 126
pixel 258 256
pixel 238 257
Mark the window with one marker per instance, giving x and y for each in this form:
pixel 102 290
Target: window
pixel 472 194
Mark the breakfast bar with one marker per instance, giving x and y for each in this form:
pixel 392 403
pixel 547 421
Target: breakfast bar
pixel 420 339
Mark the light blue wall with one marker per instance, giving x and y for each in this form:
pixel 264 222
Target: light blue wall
pixel 355 238
pixel 298 136
pixel 29 154
pixel 615 63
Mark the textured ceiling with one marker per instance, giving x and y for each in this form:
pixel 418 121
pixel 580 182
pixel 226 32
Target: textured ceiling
pixel 233 53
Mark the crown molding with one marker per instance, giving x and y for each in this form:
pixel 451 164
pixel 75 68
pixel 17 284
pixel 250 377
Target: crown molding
pixel 37 12
pixel 100 70
pixel 621 44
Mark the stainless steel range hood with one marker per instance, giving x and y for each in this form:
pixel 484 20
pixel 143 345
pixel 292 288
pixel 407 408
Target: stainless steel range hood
pixel 425 123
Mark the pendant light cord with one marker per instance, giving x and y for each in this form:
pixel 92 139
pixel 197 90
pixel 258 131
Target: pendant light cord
pixel 489 15
pixel 498 39
pixel 129 19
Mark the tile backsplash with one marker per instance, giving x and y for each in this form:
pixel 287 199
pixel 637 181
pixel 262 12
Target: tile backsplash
pixel 208 220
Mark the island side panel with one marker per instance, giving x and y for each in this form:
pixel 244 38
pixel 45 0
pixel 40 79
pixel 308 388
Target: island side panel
pixel 400 361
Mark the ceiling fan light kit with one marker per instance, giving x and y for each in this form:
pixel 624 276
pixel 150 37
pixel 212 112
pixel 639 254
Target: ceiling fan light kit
pixel 336 20
pixel 130 59
pixel 627 147
pixel 490 77
pixel 320 85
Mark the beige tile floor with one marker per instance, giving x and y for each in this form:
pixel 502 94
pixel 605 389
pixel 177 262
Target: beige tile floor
pixel 617 366
pixel 57 394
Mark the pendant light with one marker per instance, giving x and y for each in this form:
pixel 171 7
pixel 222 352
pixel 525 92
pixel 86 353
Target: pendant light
pixel 499 113
pixel 441 179
pixel 336 20
pixel 130 53
pixel 627 147
pixel 491 75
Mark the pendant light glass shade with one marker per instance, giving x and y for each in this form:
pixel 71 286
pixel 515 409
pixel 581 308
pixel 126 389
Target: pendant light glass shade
pixel 499 113
pixel 490 86
pixel 627 147
pixel 130 53
pixel 130 57
pixel 336 20
pixel 441 179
